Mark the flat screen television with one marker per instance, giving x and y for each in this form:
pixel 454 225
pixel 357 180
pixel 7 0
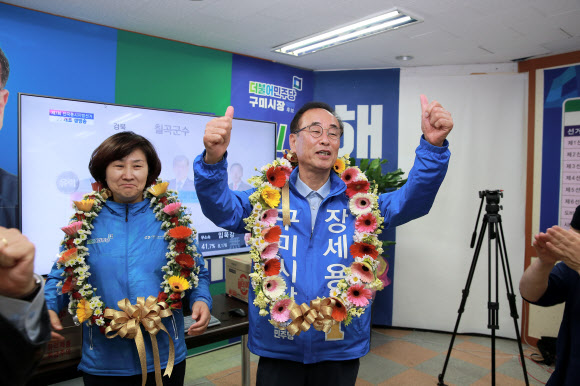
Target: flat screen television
pixel 57 137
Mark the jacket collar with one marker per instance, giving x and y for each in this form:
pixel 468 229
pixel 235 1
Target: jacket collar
pixel 337 185
pixel 119 209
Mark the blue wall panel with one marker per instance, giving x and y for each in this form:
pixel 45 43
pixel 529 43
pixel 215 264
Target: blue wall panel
pixel 53 56
pixel 353 94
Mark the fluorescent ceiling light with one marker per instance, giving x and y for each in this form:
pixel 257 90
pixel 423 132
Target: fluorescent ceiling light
pixel 385 22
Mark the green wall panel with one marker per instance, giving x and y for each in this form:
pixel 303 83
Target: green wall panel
pixel 154 72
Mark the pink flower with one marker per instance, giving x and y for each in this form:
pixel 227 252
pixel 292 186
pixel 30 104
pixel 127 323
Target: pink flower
pixel 366 223
pixel 280 311
pixel 382 272
pixel 361 203
pixel 268 217
pixel 172 209
pixel 363 271
pixel 349 175
pixel 270 251
pixel 72 228
pixel 358 295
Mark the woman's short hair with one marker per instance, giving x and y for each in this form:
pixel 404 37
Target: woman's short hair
pixel 117 147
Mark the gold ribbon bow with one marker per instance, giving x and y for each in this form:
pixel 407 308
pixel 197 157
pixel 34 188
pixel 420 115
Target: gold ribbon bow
pixel 148 313
pixel 286 205
pixel 318 314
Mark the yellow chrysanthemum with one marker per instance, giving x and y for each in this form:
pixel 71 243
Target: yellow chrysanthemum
pixel 271 197
pixel 178 284
pixel 339 166
pixel 84 205
pixel 158 189
pixel 84 310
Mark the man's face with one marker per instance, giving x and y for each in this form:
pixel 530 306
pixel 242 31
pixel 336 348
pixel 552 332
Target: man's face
pixel 3 100
pixel 180 169
pixel 236 174
pixel 315 154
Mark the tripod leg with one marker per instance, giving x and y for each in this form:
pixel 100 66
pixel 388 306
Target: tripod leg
pixel 493 307
pixel 465 294
pixel 511 298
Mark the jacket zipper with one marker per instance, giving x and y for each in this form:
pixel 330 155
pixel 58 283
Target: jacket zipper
pixel 127 213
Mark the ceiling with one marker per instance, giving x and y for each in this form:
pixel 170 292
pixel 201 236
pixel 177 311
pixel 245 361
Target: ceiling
pixel 453 32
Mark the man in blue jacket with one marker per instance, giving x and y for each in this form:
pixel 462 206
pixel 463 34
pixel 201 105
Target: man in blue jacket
pixel 314 249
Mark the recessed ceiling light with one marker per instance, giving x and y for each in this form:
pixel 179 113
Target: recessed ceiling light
pixel 370 26
pixel 404 57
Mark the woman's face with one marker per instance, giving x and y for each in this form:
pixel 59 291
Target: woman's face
pixel 127 177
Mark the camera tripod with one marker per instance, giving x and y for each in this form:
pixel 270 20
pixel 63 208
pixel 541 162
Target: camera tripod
pixel 491 220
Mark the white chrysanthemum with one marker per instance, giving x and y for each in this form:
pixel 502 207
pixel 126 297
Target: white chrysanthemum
pixel 285 162
pixel 353 279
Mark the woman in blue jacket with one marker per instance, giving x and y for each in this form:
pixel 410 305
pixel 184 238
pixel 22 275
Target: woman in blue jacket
pixel 127 262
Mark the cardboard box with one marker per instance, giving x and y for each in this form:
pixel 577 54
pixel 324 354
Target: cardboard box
pixel 238 268
pixel 69 348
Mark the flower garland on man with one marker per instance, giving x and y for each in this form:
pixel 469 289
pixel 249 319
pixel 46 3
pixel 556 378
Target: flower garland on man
pixel 351 295
pixel 127 261
pixel 314 239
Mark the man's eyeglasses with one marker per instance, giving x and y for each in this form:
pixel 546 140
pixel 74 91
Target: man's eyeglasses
pixel 316 130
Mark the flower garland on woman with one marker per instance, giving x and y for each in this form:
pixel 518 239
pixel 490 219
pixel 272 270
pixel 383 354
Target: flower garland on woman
pixel 180 273
pixel 351 296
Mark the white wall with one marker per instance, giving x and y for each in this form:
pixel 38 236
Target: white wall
pixel 488 147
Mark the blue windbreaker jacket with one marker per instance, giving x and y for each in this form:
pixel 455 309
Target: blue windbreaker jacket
pixel 126 252
pixel 313 260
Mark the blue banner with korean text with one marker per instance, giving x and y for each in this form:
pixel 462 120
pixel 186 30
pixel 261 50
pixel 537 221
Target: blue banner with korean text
pixel 368 104
pixel 560 194
pixel 269 91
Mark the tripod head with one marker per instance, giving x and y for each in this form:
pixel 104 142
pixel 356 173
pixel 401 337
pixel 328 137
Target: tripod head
pixel 492 199
pixel 492 207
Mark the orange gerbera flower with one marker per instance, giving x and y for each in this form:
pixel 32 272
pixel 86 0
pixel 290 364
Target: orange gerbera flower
pixel 84 205
pixel 180 247
pixel 276 176
pixel 67 255
pixel 272 235
pixel 272 267
pixel 339 166
pixel 180 232
pixel 84 310
pixel 158 189
pixel 338 310
pixel 68 284
pixel 185 260
pixel 362 249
